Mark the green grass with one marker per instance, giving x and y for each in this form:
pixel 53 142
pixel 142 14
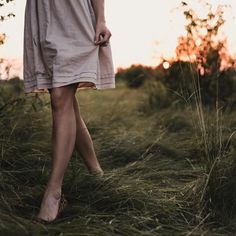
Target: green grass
pixel 154 163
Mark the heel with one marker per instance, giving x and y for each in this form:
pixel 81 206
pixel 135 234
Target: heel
pixel 63 204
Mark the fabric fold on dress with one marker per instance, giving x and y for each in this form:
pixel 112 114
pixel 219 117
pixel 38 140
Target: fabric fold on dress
pixel 59 47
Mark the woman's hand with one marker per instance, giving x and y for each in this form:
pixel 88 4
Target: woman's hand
pixel 103 34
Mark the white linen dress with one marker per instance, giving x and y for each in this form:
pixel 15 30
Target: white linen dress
pixel 59 47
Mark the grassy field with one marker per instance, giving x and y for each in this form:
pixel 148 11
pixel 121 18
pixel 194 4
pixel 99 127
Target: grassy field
pixel 157 180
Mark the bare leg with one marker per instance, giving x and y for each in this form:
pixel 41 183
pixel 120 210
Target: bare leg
pixel 63 141
pixel 84 143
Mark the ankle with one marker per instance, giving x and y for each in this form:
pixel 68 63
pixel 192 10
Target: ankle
pixel 53 190
pixel 96 171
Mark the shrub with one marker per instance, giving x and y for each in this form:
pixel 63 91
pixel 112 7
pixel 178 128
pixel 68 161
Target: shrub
pixel 158 96
pixel 135 75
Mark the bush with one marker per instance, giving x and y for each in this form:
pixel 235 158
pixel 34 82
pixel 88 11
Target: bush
pixel 180 78
pixel 182 83
pixel 158 96
pixel 135 75
pixel 219 88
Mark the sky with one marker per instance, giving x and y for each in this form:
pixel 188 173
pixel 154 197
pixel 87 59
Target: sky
pixel 143 31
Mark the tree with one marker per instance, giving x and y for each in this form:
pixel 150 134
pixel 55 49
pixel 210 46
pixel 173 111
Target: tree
pixel 206 52
pixel 2 4
pixel 3 35
pixel 3 18
pixel 202 43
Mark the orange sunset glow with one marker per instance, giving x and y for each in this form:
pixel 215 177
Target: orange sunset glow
pixel 143 32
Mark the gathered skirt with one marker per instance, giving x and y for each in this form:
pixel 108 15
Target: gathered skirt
pixel 59 47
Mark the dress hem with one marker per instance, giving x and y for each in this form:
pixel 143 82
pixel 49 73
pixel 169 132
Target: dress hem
pixel 43 88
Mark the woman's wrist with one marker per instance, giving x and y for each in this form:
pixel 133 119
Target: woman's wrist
pixel 101 20
pixel 98 7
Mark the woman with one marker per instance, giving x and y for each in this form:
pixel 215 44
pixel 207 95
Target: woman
pixel 66 48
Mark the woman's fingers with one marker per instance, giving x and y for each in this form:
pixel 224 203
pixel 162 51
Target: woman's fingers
pixel 97 37
pixel 102 36
pixel 105 39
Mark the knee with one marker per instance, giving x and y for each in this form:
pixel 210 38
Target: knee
pixel 59 101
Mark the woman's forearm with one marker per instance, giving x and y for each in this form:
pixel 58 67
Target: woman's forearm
pixel 98 6
pixel 103 34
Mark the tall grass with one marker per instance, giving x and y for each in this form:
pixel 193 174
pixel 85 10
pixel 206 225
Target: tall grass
pixel 212 195
pixel 152 161
pixel 215 191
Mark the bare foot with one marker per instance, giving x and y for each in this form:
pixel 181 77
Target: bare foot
pixel 49 206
